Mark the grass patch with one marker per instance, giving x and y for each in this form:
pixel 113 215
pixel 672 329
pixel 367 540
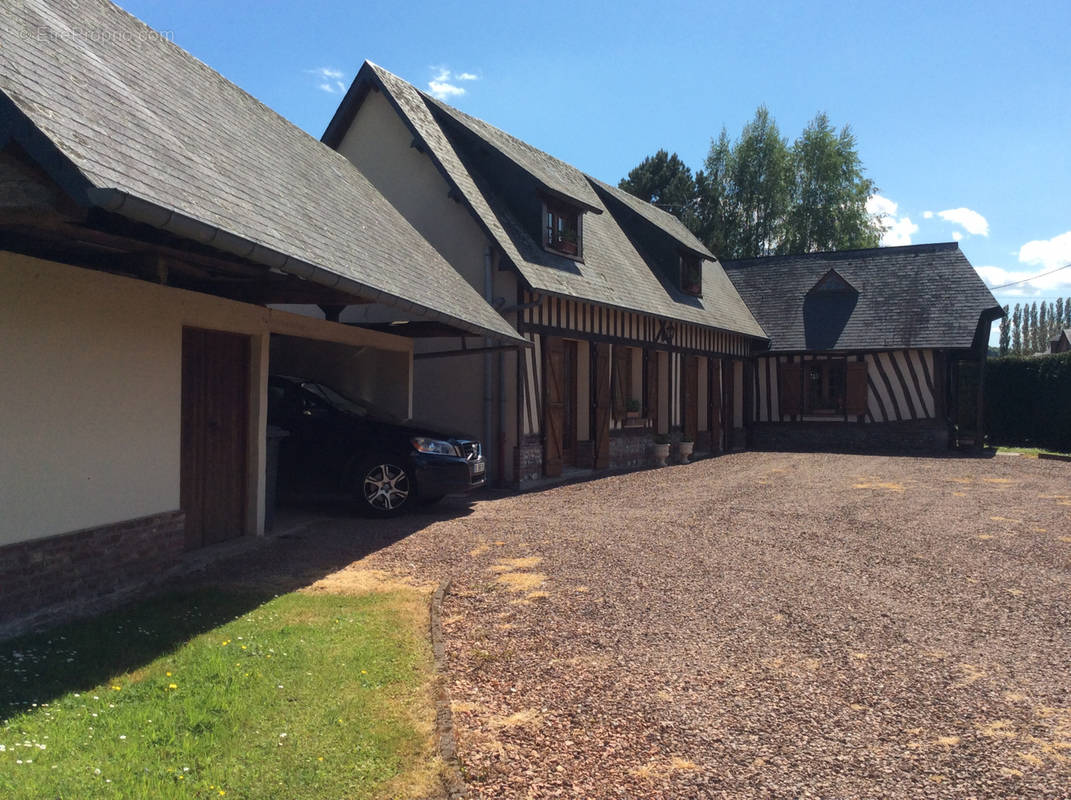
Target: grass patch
pixel 1029 452
pixel 220 693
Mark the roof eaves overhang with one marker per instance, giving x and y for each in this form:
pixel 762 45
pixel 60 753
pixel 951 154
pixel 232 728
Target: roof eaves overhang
pixel 138 210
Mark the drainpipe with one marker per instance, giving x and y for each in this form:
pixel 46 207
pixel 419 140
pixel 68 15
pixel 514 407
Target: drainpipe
pixel 488 378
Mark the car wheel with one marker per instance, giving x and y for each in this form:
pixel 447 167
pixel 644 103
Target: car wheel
pixel 384 487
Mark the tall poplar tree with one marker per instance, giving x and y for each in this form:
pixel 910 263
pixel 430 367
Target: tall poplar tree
pixel 1005 332
pixel 1059 314
pixel 1017 333
pixel 1035 334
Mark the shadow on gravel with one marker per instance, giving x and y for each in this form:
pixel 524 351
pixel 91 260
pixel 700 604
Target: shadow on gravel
pixel 41 666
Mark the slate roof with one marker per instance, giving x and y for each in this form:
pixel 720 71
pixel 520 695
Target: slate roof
pixel 135 113
pixel 613 273
pixel 904 297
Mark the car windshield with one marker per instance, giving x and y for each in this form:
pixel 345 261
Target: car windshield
pixel 339 402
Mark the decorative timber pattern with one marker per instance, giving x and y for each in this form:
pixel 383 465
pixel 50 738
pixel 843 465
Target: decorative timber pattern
pixel 561 316
pixel 900 386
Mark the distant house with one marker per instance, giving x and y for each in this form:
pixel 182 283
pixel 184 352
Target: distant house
pixel 865 345
pixel 636 330
pixel 150 211
pixel 1061 342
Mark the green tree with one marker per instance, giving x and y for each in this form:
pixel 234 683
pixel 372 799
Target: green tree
pixel 828 193
pixel 1017 337
pixel 1005 333
pixel 760 172
pixel 1043 324
pixel 665 181
pixel 1059 314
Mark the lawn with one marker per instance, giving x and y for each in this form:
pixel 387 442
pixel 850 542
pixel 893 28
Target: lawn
pixel 224 693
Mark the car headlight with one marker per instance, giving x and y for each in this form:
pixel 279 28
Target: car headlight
pixel 436 446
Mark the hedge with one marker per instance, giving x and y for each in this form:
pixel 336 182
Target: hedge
pixel 1028 401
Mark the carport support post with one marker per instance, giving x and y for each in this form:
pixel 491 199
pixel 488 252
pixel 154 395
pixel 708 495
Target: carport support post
pixel 979 438
pixel 488 361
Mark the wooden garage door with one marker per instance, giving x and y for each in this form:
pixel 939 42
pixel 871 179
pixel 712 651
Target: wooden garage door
pixel 215 425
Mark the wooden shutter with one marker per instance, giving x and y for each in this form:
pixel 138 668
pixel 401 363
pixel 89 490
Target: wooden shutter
pixel 791 388
pixel 651 388
pixel 553 404
pixel 690 397
pixel 714 395
pixel 620 371
pixel 856 395
pixel 601 432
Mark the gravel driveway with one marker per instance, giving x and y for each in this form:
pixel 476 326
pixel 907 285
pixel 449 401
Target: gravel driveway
pixel 763 625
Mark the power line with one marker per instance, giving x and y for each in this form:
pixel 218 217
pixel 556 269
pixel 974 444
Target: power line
pixel 1027 280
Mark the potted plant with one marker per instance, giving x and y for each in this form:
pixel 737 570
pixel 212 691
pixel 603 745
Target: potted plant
pixel 661 449
pixel 684 449
pixel 632 408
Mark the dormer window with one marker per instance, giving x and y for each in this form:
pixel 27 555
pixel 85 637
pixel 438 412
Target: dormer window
pixel 562 230
pixel 691 274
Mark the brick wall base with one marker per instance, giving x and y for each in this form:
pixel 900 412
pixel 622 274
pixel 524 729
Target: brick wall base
pixel 43 580
pixel 919 436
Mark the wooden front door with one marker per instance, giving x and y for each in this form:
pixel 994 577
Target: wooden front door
pixel 215 427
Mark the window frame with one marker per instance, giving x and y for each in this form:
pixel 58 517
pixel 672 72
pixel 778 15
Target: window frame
pixel 837 409
pixel 554 212
pixel 690 261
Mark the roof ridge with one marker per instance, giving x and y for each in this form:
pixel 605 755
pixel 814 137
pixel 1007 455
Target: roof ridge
pixel 930 247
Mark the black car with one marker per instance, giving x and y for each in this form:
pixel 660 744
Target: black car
pixel 337 444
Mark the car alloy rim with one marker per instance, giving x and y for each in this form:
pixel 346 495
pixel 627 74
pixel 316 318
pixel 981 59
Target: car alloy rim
pixel 386 487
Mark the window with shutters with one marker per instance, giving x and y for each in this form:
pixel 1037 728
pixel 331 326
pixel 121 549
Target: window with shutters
pixel 827 387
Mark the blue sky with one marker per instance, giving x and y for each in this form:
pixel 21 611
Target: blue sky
pixel 962 110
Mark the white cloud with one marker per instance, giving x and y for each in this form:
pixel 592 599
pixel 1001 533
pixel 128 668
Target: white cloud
pixel 970 221
pixel 927 215
pixel 444 85
pixel 898 230
pixel 1047 253
pixel 330 79
pixel 957 235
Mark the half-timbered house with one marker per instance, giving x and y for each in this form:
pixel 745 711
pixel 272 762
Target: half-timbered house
pixel 635 329
pixel 866 347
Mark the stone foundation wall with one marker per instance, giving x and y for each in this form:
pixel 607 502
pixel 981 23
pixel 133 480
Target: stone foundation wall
pixel 919 436
pixel 77 570
pixel 631 448
pixel 528 460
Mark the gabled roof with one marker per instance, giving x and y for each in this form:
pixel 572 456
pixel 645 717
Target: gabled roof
pixel 613 272
pixel 907 297
pixel 552 174
pixel 1062 334
pixel 151 132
